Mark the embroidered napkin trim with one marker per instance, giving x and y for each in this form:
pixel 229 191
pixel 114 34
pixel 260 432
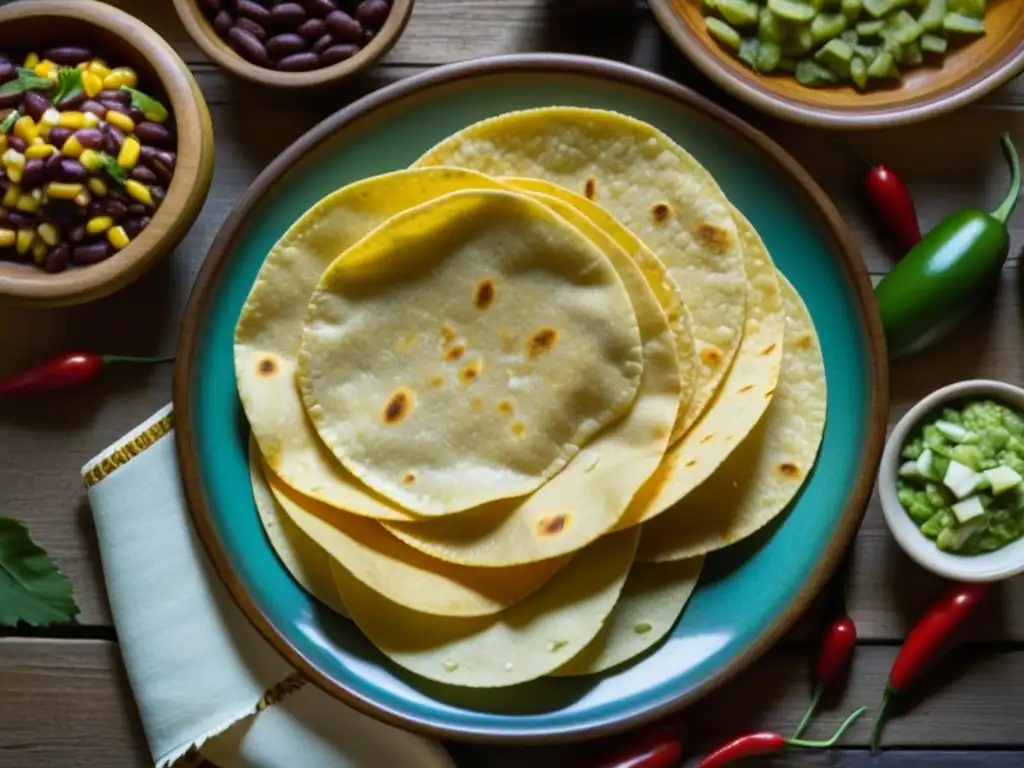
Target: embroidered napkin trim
pixel 122 454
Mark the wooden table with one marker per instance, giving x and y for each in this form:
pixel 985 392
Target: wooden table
pixel 64 700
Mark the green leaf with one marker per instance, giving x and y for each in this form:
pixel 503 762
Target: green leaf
pixel 9 121
pixel 151 108
pixel 32 588
pixel 115 171
pixel 69 81
pixel 27 80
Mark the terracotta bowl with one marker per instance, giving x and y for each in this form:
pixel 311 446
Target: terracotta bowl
pixel 125 40
pixel 214 46
pixel 968 72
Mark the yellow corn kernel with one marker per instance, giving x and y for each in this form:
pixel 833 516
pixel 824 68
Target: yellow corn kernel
pixel 25 128
pixel 118 237
pixel 98 68
pixel 38 141
pixel 39 251
pixel 3 143
pixel 73 120
pixel 72 147
pixel 91 120
pixel 39 151
pixel 11 196
pixel 91 159
pixel 14 164
pixel 120 120
pixel 27 203
pixel 49 119
pixel 120 76
pixel 23 240
pixel 83 198
pixel 31 61
pixel 91 83
pixel 129 154
pixel 63 191
pixel 138 191
pixel 45 67
pixel 49 233
pixel 98 224
pixel 7 237
pixel 97 187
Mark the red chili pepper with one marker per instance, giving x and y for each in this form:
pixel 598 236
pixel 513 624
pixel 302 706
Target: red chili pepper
pixel 931 637
pixel 767 742
pixel 835 652
pixel 67 371
pixel 654 749
pixel 892 204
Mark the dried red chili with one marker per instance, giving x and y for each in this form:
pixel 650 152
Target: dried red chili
pixel 892 204
pixel 931 637
pixel 67 371
pixel 654 749
pixel 834 653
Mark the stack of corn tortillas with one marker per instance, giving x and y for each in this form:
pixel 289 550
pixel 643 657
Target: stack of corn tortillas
pixel 504 402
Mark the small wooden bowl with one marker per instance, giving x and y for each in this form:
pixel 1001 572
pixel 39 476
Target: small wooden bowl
pixel 214 46
pixel 967 72
pixel 125 40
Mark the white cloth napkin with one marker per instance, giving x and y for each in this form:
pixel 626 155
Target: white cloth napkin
pixel 203 678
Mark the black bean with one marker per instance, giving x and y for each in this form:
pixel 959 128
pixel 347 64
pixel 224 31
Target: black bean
pixel 320 7
pixel 133 226
pixel 212 7
pixel 34 173
pixel 254 11
pixel 72 100
pixel 158 193
pixel 91 253
pixel 313 29
pixel 299 62
pixel 58 135
pixel 7 69
pixel 73 171
pixel 136 209
pixel 248 46
pixel 53 164
pixel 143 174
pixel 323 43
pixel 77 233
pixel 10 100
pixel 90 138
pixel 17 143
pixel 285 44
pixel 67 55
pixel 20 219
pixel 114 94
pixel 252 26
pixel 344 27
pixel 337 53
pixel 57 259
pixel 94 107
pixel 35 104
pixel 114 138
pixel 223 23
pixel 288 15
pixel 155 133
pixel 368 35
pixel 372 13
pixel 107 206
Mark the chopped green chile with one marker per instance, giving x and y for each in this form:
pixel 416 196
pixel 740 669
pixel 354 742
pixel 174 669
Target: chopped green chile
pixel 791 10
pixel 739 13
pixel 964 25
pixel 723 33
pixel 768 57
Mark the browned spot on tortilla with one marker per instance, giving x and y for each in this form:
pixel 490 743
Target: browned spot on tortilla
pixel 747 388
pixel 471 372
pixel 455 351
pixel 508 340
pixel 517 428
pixel 590 188
pixel 660 211
pixel 804 342
pixel 789 469
pixel 484 294
pixel 267 366
pixel 447 333
pixel 549 525
pixel 477 404
pixel 712 237
pixel 711 355
pixel 505 407
pixel 398 406
pixel 659 432
pixel 706 438
pixel 542 340
pixel 769 393
pixel 437 381
pixel 768 350
pixel 691 463
pixel 409 478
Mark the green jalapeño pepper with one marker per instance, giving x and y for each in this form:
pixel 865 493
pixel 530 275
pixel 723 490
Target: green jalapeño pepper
pixel 945 276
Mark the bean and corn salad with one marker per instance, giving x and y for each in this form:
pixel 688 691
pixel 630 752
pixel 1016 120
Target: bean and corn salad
pixel 296 35
pixel 85 158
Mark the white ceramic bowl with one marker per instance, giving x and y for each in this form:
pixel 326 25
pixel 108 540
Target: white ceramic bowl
pixel 994 566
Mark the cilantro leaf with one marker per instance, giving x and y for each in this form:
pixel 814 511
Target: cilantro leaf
pixel 115 171
pixel 69 82
pixel 27 80
pixel 9 121
pixel 32 588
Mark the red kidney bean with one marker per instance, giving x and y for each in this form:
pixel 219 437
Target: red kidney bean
pixel 52 164
pixel 72 100
pixel 63 212
pixel 153 133
pixel 285 44
pixel 35 104
pixel 20 219
pixel 252 26
pixel 323 43
pixel 168 159
pixel 33 174
pixel 136 209
pixel 158 193
pixel 114 94
pixel 246 45
pixel 94 107
pixel 10 100
pixel 91 253
pixel 368 35
pixel 90 138
pixel 77 233
pixel 223 23
pixel 372 13
pixel 320 7
pixel 288 14
pixel 312 29
pixel 73 171
pixel 148 154
pixel 108 206
pixel 135 113
pixel 58 135
pixel 212 7
pixel 143 174
pixel 162 172
pixel 299 62
pixel 254 11
pixel 343 26
pixel 67 55
pixel 114 139
pixel 7 69
pixel 337 53
pixel 17 143
pixel 132 227
pixel 57 259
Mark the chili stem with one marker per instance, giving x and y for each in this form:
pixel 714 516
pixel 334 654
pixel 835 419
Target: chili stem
pixel 1004 211
pixel 835 737
pixel 876 729
pixel 811 709
pixel 129 359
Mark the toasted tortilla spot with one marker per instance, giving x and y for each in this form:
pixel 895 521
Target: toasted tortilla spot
pixel 691 463
pixel 455 352
pixel 713 237
pixel 267 366
pixel 549 525
pixel 711 356
pixel 706 438
pixel 517 428
pixel 471 372
pixel 447 333
pixel 660 211
pixel 437 381
pixel 804 342
pixel 590 188
pixel 505 407
pixel 484 294
pixel 659 432
pixel 789 469
pixel 398 406
pixel 769 393
pixel 477 404
pixel 542 340
pixel 409 478
pixel 745 388
pixel 768 350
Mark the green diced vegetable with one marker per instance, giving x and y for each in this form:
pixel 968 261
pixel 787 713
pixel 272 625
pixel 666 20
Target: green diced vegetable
pixel 798 41
pixel 975 8
pixel 878 8
pixel 910 55
pixel 723 33
pixel 9 121
pixel 836 55
pixel 868 53
pixel 813 75
pixel 883 66
pixel 933 14
pixel 908 32
pixel 791 10
pixel 870 28
pixel 851 9
pixel 964 25
pixel 786 64
pixel 825 26
pixel 933 43
pixel 739 13
pixel 710 6
pixel 849 36
pixel 748 50
pixel 770 28
pixel 768 56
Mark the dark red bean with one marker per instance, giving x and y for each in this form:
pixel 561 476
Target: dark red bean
pixel 20 219
pixel 57 259
pixel 107 206
pixel 73 171
pixel 212 7
pixel 288 15
pixel 72 100
pixel 252 26
pixel 285 44
pixel 114 105
pixel 53 165
pixel 153 133
pixel 58 135
pixel 248 46
pixel 148 154
pixel 90 138
pixel 343 26
pixel 158 193
pixel 313 29
pixel 114 139
pixel 372 13
pixel 35 104
pixel 168 159
pixel 337 53
pixel 91 253
pixel 223 23
pixel 77 233
pixel 163 172
pixel 368 35
pixel 143 174
pixel 135 113
pixel 253 11
pixel 67 55
pixel 136 209
pixel 94 107
pixel 323 44
pixel 132 227
pixel 320 7
pixel 299 62
pixel 7 69
pixel 115 95
pixel 17 143
pixel 33 174
pixel 10 100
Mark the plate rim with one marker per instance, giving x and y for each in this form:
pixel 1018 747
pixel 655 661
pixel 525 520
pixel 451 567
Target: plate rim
pixel 207 279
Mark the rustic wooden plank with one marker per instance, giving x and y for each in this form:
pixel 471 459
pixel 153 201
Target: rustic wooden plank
pixel 67 703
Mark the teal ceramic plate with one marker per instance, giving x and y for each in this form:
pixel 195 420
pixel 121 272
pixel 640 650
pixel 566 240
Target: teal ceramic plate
pixel 748 595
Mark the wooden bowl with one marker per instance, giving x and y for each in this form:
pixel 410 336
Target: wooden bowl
pixel 124 39
pixel 214 46
pixel 966 73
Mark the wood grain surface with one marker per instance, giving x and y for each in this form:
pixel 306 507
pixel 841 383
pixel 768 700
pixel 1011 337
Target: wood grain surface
pixel 64 702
